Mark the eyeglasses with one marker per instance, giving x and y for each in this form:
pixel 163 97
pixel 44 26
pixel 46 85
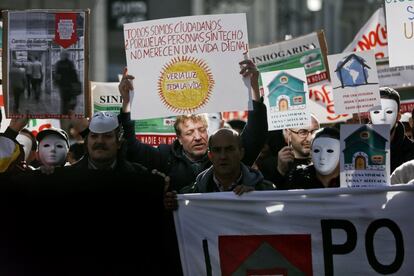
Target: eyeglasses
pixel 303 133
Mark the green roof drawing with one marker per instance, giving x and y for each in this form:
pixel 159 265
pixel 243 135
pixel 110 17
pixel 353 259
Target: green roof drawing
pixel 284 84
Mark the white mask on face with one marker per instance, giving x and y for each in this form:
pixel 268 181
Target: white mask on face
pixel 387 115
pixel 53 151
pixel 214 122
pixel 325 154
pixel 26 142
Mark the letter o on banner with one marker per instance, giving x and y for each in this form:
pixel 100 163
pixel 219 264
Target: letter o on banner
pixel 399 244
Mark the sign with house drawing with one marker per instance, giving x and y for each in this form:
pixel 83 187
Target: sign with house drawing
pixel 365 155
pixel 355 82
pixel 286 98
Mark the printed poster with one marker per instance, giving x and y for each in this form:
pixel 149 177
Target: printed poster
pixel 372 36
pixel 46 52
pixel 307 51
pixel 322 105
pixel 365 156
pixel 46 56
pixel 286 98
pixel 187 65
pixel 400 29
pixel 355 82
pixel 154 132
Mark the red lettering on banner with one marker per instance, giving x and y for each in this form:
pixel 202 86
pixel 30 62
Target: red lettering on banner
pixel 374 38
pixel 324 97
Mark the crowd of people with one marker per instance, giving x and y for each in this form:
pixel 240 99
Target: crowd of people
pixel 203 158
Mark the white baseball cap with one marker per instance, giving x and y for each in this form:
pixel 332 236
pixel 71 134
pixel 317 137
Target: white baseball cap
pixel 103 121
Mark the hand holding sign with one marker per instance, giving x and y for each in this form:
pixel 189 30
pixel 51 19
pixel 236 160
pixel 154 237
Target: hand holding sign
pixel 125 87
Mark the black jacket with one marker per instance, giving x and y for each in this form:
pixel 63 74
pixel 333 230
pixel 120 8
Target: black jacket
pixel 402 148
pixel 305 178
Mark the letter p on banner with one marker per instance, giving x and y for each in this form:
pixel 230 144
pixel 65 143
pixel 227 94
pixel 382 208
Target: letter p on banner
pixel 65 29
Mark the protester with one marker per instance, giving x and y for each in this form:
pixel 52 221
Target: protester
pixel 66 79
pixel 29 143
pixel 324 172
pixel 294 154
pixel 402 148
pixel 187 157
pixel 227 172
pixel 53 147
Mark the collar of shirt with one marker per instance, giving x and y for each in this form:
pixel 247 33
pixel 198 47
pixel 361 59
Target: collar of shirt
pixel 232 186
pixel 92 166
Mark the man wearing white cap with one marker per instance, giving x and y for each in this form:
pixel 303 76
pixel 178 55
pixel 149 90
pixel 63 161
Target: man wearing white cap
pixel 103 144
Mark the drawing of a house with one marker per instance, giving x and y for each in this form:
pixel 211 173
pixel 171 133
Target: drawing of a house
pixel 286 92
pixel 352 71
pixel 365 150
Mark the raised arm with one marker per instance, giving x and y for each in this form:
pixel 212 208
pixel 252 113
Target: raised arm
pixel 255 132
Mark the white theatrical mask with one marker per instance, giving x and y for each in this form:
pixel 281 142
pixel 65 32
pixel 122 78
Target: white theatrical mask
pixel 325 154
pixel 214 122
pixel 387 115
pixel 26 142
pixel 53 150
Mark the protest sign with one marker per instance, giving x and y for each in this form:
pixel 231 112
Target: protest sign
pixel 321 105
pixel 187 65
pixel 400 30
pixel 307 51
pixel 355 82
pixel 286 98
pixel 373 35
pixel 46 61
pixel 365 155
pixel 106 97
pixel 302 232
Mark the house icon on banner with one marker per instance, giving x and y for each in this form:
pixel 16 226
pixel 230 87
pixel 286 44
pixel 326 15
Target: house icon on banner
pixel 352 71
pixel 286 92
pixel 365 150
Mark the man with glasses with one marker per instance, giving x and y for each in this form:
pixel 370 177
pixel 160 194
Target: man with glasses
pixel 296 154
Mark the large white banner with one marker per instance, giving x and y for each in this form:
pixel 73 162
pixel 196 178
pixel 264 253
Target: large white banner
pixel 400 29
pixel 337 231
pixel 187 65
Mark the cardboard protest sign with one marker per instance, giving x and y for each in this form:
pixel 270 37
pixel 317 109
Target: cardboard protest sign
pixel 321 105
pixel 400 29
pixel 355 82
pixel 46 65
pixel 286 98
pixel 365 155
pixel 154 132
pixel 373 35
pixel 307 51
pixel 187 65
